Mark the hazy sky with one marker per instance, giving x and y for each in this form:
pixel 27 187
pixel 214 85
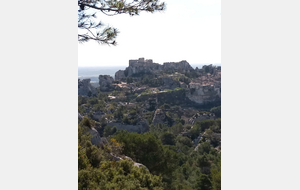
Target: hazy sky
pixel 187 30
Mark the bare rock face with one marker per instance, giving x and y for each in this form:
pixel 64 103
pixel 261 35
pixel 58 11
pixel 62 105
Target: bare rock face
pixel 80 117
pixel 169 83
pixel 117 158
pixel 85 88
pixel 120 75
pixel 203 93
pixel 151 104
pixel 142 66
pixel 161 117
pixel 97 115
pixel 200 117
pixel 96 139
pixel 182 66
pixel 140 165
pixel 105 82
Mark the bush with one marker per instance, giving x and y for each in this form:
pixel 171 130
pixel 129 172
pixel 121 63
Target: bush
pixel 92 101
pixel 86 122
pixel 216 111
pixel 168 139
pixel 109 130
pixel 165 106
pixel 204 148
pixel 147 149
pixel 82 100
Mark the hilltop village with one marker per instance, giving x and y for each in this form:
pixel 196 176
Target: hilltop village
pixel 178 105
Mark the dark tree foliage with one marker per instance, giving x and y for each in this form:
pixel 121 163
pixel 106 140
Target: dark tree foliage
pixel 82 100
pixel 129 80
pixel 97 171
pixel 109 130
pixel 86 122
pixel 168 139
pixel 216 177
pixel 147 149
pixel 204 148
pixel 203 161
pixel 203 182
pixel 216 111
pixel 88 9
pixel 151 80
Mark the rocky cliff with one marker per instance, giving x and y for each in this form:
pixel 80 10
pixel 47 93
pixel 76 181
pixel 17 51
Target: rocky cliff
pixel 201 94
pixel 142 66
pixel 119 75
pixel 161 117
pixel 105 82
pixel 200 117
pixel 96 139
pixel 182 66
pixel 204 88
pixel 85 88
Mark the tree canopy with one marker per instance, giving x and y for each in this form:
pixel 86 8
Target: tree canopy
pixel 88 9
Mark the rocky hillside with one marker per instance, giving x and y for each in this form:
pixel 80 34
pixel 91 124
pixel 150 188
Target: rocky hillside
pixel 152 120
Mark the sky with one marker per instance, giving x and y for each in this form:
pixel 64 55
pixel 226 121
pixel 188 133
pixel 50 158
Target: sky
pixel 187 30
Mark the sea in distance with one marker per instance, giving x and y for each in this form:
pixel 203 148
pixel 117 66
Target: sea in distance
pixel 94 72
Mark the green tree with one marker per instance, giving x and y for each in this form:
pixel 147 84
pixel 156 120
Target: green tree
pixel 204 148
pixel 168 139
pixel 97 172
pixel 177 128
pixel 216 177
pixel 88 9
pixel 109 130
pixel 129 80
pixel 216 111
pixel 203 182
pixel 148 150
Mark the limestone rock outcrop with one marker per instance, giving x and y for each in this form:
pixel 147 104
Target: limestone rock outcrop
pixel 105 82
pixel 85 88
pixel 200 117
pixel 182 66
pixel 142 66
pixel 96 139
pixel 80 117
pixel 201 94
pixel 97 115
pixel 161 117
pixel 169 83
pixel 205 88
pixel 151 104
pixel 120 75
pixel 117 158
